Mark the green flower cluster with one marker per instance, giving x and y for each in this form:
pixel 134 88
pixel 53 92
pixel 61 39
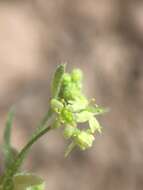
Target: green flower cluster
pixel 73 107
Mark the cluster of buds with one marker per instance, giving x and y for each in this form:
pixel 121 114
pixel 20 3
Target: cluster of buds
pixel 73 107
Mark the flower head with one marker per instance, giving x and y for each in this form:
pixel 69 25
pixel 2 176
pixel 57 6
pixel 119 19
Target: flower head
pixel 73 107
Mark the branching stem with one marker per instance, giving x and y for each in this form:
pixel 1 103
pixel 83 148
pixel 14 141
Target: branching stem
pixel 42 129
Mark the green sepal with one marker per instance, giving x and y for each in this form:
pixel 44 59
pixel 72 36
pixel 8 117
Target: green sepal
pixel 57 80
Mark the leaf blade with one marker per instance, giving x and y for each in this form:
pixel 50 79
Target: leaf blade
pixel 27 181
pixel 7 148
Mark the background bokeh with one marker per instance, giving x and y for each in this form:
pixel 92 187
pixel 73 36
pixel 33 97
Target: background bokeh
pixel 105 39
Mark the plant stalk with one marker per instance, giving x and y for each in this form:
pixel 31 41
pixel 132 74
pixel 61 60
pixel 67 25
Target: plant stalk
pixel 42 129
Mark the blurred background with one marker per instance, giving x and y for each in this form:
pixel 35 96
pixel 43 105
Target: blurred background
pixel 104 39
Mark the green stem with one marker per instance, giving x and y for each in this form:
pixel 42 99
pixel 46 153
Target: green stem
pixel 43 128
pixel 45 119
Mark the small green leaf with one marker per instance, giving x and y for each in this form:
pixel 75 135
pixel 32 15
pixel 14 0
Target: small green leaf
pixel 94 125
pixel 57 80
pixel 28 182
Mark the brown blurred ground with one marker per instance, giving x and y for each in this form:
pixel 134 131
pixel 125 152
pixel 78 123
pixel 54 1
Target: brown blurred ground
pixel 105 39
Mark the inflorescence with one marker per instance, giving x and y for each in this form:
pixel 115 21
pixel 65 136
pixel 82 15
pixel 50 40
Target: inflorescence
pixel 73 107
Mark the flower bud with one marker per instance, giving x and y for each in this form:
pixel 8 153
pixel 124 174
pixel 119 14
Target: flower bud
pixel 56 105
pixel 84 140
pixel 67 116
pixel 76 75
pixel 66 78
pixel 71 91
pixel 69 131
